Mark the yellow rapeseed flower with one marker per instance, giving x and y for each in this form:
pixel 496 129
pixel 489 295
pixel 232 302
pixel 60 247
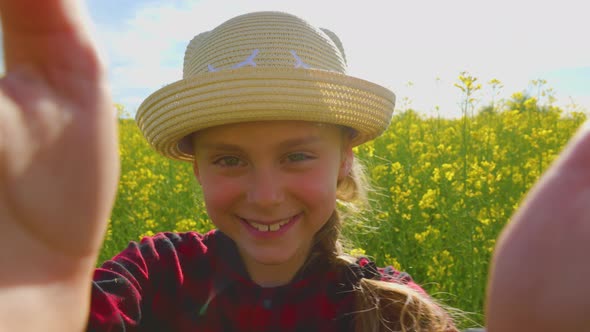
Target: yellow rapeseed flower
pixel 185 225
pixel 356 252
pixel 148 233
pixel 428 200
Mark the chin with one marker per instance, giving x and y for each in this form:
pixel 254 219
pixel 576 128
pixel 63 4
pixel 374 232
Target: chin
pixel 270 258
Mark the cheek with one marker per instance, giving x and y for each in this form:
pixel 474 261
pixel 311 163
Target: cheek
pixel 219 193
pixel 317 187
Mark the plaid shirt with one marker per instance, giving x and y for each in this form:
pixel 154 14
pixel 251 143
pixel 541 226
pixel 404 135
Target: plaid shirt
pixel 193 282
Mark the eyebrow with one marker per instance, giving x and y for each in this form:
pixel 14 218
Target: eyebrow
pixel 288 143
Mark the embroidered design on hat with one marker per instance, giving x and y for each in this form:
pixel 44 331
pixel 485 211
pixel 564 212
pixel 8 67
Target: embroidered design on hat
pixel 250 62
pixel 299 63
pixel 247 62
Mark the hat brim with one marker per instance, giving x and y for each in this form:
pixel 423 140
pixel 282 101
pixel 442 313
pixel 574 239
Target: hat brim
pixel 177 110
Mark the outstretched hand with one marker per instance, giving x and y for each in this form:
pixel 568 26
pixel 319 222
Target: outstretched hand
pixel 541 269
pixel 58 165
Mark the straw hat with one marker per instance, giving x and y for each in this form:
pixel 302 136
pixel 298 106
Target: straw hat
pixel 262 66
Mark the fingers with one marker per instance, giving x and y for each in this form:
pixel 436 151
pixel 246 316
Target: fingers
pixel 58 141
pixel 50 36
pixel 32 16
pixel 540 269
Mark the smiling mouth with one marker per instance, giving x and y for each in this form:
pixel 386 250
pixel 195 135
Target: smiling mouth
pixel 268 228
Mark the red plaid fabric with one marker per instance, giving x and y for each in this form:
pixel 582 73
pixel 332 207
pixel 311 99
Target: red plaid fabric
pixel 193 282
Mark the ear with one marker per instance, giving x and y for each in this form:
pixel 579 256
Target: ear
pixel 346 163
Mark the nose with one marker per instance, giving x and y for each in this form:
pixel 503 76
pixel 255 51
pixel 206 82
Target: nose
pixel 265 189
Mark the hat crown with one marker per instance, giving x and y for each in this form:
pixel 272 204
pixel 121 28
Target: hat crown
pixel 264 39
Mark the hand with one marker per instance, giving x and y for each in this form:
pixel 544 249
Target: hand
pixel 541 270
pixel 58 165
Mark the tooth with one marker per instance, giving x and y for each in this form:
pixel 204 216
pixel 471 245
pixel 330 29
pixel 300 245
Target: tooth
pixel 260 227
pixel 269 228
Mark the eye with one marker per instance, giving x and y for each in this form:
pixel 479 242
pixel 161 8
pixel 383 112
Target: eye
pixel 228 161
pixel 296 157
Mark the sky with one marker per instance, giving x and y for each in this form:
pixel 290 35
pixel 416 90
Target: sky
pixel 415 48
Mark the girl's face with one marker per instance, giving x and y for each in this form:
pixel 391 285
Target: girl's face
pixel 271 185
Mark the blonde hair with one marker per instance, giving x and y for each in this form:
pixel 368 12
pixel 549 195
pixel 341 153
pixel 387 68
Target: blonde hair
pixel 380 305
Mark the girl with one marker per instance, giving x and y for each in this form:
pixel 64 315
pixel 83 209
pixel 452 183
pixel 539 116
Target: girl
pixel 268 118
